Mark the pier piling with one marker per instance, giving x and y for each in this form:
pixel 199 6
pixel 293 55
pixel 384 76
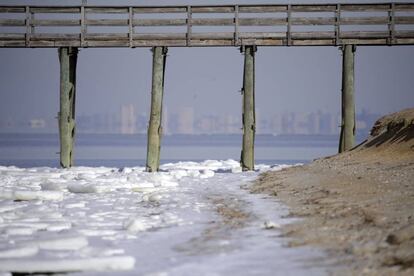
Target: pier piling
pixel 66 116
pixel 347 137
pixel 155 123
pixel 249 117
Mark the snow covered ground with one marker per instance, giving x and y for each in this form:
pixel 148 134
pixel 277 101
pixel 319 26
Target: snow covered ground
pixel 189 219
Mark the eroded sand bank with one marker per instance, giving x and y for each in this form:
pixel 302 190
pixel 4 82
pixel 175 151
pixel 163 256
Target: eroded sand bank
pixel 359 205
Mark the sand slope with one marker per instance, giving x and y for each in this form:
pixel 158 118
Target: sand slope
pixel 358 205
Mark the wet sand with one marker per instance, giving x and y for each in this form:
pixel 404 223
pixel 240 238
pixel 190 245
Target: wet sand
pixel 358 205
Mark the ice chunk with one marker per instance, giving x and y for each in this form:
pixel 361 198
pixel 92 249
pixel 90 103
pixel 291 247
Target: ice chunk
pixel 237 169
pixel 79 188
pixel 178 174
pixel 38 195
pixel 75 205
pixel 136 225
pixel 99 233
pixel 6 194
pixel 68 265
pixel 20 231
pixel 52 186
pixel 19 252
pixel 167 183
pixel 206 174
pixel 65 243
pixel 270 225
pixel 59 226
pixel 152 197
pixel 32 225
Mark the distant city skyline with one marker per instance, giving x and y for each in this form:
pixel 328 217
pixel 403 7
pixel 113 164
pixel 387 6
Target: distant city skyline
pixel 128 120
pixel 288 79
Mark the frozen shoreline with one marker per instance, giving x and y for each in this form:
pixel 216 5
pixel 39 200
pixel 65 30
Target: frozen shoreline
pixel 190 218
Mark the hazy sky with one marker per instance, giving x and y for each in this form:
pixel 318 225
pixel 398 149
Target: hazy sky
pixel 298 79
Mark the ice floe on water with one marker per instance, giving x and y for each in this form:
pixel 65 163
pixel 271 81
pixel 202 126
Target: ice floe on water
pixel 177 221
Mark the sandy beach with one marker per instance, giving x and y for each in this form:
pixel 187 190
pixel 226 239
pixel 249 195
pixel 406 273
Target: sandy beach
pixel 358 206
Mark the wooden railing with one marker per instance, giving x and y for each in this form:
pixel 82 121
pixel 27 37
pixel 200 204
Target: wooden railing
pixel 227 25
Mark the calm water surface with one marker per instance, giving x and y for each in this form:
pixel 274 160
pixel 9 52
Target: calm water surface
pixel 32 150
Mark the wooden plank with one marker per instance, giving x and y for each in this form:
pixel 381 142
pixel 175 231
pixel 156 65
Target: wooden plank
pixel 107 43
pixel 377 20
pixel 12 44
pixel 365 34
pixel 28 25
pixel 313 20
pixel 212 43
pixel 404 34
pixel 107 36
pixel 268 42
pixel 38 9
pixel 403 20
pixel 212 21
pixel 107 10
pixel 236 25
pixel 213 36
pixel 313 8
pixel 289 24
pixel 153 43
pixel 404 41
pixel 159 36
pixel 365 41
pixel 262 8
pixel 263 21
pixel 130 25
pixel 313 42
pixel 11 9
pixel 262 35
pixel 12 36
pixel 56 22
pixel 12 22
pixel 32 18
pixel 67 43
pixel 160 22
pixel 50 36
pixel 107 22
pixel 212 9
pixel 404 7
pixel 313 35
pixel 160 9
pixel 189 25
pixel 83 25
pixel 391 24
pixel 337 23
pixel 365 7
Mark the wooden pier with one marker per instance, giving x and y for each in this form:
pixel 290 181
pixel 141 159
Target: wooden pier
pixel 246 26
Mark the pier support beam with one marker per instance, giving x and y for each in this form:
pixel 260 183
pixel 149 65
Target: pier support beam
pixel 68 57
pixel 249 116
pixel 155 127
pixel 347 138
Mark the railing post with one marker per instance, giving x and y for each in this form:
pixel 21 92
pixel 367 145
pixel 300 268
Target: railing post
pixel 68 58
pixel 155 128
pixel 249 117
pixel 347 137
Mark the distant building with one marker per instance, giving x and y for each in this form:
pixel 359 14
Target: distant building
pixel 37 123
pixel 185 120
pixel 128 119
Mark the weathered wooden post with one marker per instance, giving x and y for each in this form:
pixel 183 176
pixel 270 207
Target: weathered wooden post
pixel 155 128
pixel 68 58
pixel 347 138
pixel 249 117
